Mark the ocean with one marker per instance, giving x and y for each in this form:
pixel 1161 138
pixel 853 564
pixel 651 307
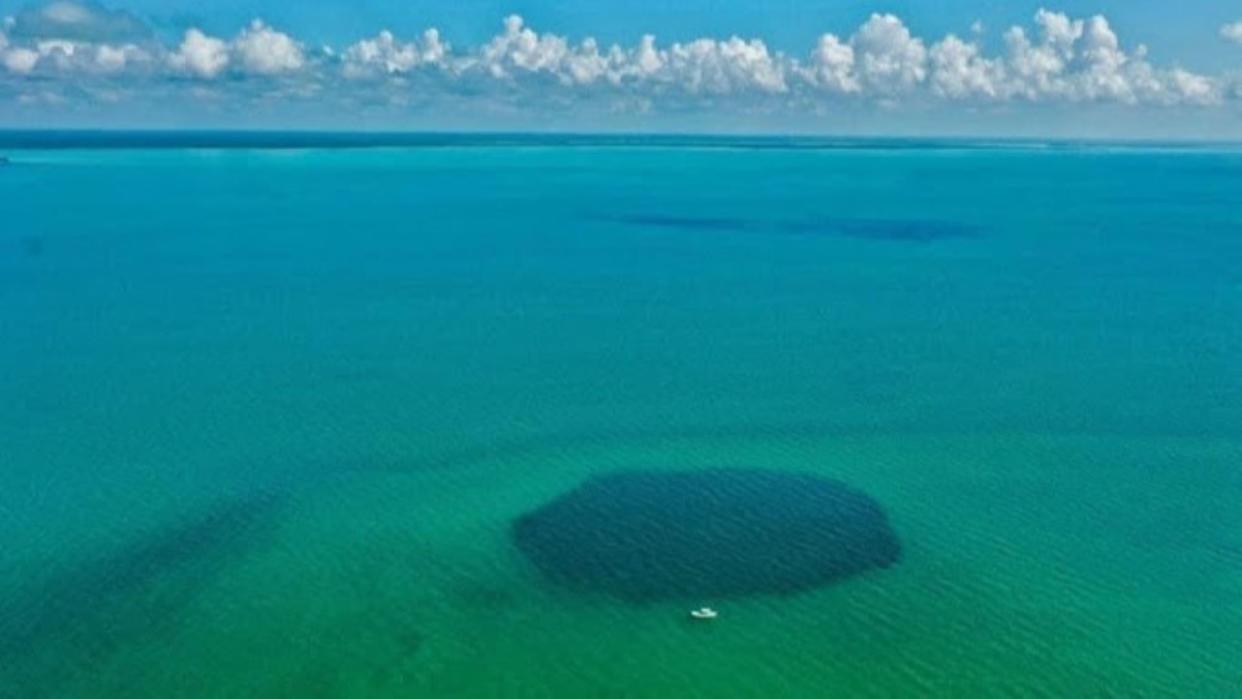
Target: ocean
pixel 276 409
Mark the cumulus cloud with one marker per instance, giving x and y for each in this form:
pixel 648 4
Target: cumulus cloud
pixel 81 37
pixel 1232 32
pixel 200 55
pixel 265 51
pixel 959 70
pixel 889 58
pixel 1057 59
pixel 115 59
pixel 723 67
pixel 257 50
pixel 78 21
pixel 60 56
pixel 832 66
pixel 20 60
pixel 700 67
pixel 385 55
pixel 1082 60
pixel 520 51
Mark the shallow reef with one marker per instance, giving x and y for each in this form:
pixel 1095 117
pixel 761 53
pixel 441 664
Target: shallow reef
pixel 646 536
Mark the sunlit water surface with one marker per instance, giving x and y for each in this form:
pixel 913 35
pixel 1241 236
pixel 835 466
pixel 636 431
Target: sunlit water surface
pixel 269 416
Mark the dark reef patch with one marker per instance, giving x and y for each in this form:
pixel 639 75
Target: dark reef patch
pixel 72 622
pixel 900 230
pixel 651 535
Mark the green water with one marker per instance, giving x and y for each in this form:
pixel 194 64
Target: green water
pixel 268 415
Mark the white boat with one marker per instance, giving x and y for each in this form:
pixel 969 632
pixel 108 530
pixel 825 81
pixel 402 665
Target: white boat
pixel 704 613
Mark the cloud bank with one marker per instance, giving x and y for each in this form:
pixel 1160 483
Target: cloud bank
pixel 82 51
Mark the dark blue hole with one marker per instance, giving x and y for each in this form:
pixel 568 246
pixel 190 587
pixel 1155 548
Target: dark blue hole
pixel 651 535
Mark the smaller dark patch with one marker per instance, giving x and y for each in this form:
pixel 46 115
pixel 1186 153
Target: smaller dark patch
pixel 897 230
pixel 32 245
pixel 410 642
pixel 100 604
pixel 4 161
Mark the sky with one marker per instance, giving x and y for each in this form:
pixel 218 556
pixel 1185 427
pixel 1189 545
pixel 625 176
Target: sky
pixel 1110 68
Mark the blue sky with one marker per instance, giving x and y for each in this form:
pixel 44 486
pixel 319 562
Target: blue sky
pixel 1185 31
pixel 1138 68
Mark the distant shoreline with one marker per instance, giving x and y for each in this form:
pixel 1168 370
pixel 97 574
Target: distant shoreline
pixel 288 140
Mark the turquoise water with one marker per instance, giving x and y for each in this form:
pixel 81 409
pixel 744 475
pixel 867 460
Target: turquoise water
pixel 268 415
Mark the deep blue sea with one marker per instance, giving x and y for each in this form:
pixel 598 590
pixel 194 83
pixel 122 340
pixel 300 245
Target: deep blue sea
pixel 331 415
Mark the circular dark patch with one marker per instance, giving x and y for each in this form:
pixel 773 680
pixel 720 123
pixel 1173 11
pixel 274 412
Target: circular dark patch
pixel 654 535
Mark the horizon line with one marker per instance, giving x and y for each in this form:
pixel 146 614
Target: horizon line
pixel 26 138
